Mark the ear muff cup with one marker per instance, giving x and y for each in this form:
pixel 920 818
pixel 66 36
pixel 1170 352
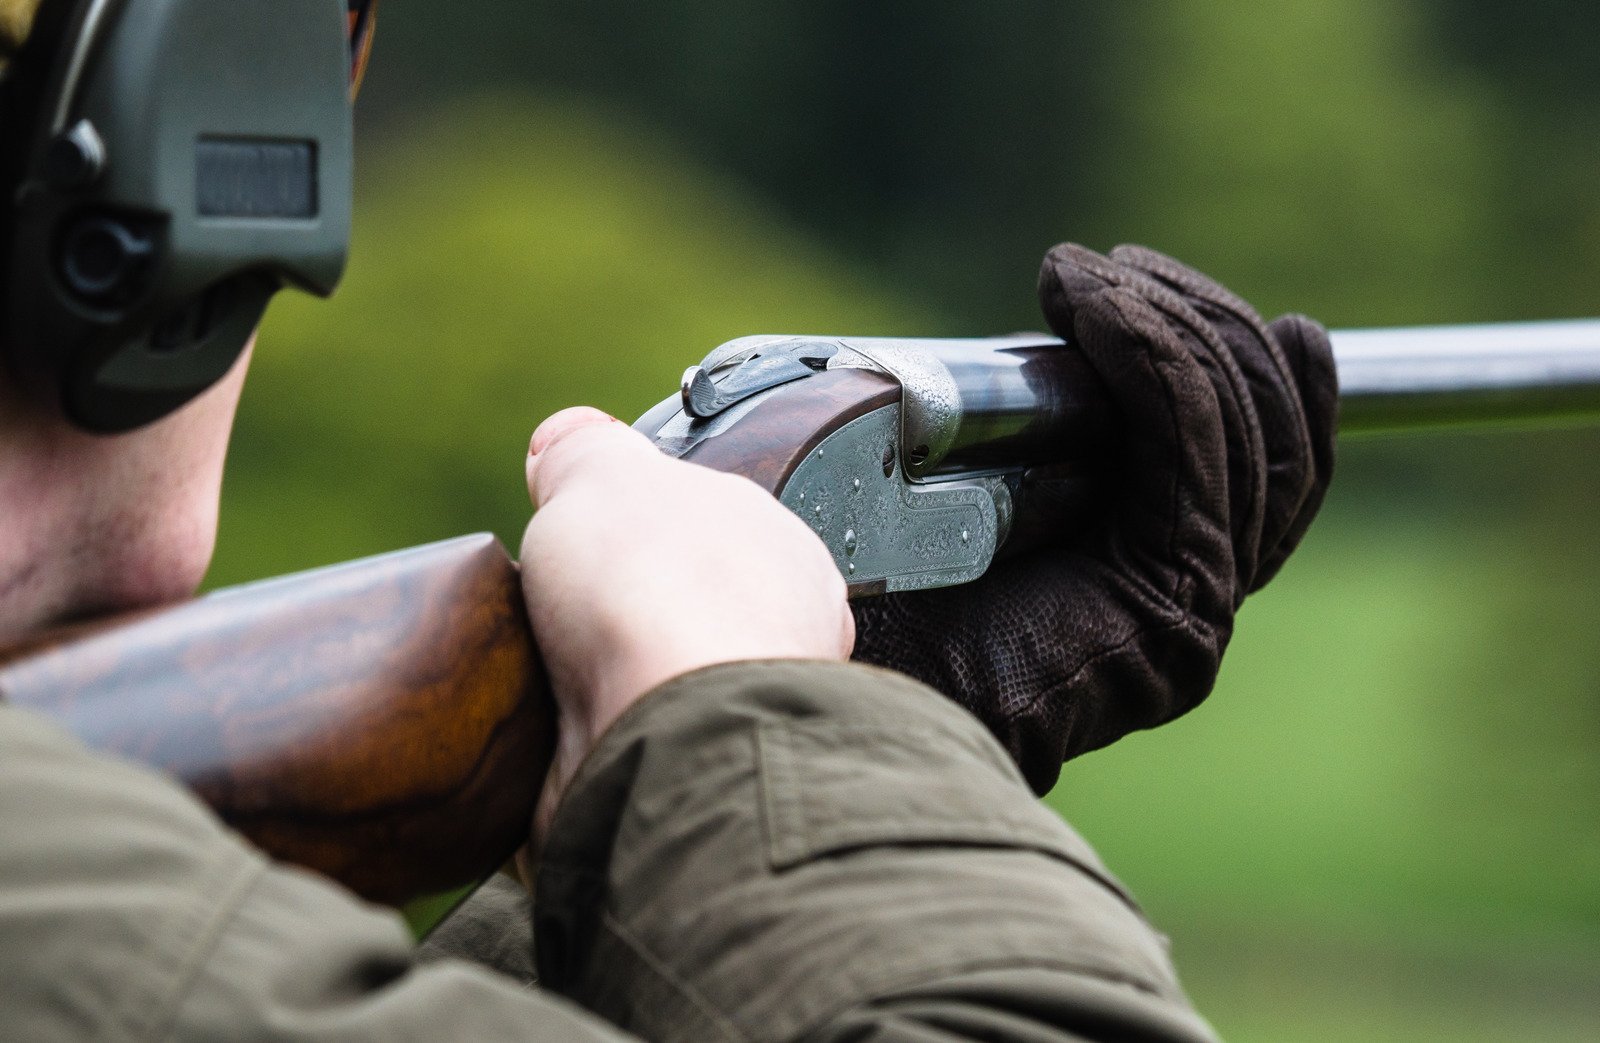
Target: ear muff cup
pixel 169 165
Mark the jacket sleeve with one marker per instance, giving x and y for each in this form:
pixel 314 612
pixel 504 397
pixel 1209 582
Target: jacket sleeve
pixel 493 927
pixel 801 851
pixel 127 912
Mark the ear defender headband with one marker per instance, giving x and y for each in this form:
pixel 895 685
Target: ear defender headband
pixel 170 165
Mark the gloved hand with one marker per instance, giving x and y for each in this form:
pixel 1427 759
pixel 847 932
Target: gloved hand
pixel 1224 453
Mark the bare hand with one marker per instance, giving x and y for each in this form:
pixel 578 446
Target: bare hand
pixel 638 568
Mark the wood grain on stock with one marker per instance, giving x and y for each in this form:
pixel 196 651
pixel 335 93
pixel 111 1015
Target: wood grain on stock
pixel 384 722
pixel 770 441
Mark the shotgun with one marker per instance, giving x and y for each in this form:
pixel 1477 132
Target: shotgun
pixel 385 722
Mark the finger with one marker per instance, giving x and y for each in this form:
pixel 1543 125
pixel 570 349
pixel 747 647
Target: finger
pixel 1274 394
pixel 1310 356
pixel 1247 464
pixel 1172 519
pixel 1241 423
pixel 577 442
pixel 1072 273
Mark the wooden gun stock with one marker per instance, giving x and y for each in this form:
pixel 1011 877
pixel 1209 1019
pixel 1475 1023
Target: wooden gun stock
pixel 384 722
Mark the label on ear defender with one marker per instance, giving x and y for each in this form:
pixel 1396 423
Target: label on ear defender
pixel 255 178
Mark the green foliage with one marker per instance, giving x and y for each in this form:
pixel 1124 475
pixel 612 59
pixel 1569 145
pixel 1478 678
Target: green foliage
pixel 1327 158
pixel 1310 157
pixel 1364 160
pixel 926 139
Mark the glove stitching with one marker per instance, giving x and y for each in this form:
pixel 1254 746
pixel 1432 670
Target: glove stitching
pixel 1159 368
pixel 1317 366
pixel 1287 393
pixel 1183 580
pixel 1181 311
pixel 1208 291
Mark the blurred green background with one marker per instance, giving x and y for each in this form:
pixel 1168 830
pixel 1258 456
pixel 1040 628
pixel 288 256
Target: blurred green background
pixel 1385 825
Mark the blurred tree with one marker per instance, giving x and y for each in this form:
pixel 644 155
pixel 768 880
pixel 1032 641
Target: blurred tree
pixel 1549 48
pixel 1329 158
pixel 1335 147
pixel 945 143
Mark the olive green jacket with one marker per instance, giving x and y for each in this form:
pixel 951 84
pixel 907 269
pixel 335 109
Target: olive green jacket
pixel 772 851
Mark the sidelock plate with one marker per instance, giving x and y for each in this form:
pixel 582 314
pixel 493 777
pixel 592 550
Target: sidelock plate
pixel 881 527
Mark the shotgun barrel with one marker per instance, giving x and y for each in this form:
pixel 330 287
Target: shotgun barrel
pixel 1510 372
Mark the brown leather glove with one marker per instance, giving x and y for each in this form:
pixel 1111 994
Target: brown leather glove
pixel 1224 454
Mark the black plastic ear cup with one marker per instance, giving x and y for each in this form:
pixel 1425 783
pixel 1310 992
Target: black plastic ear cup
pixel 169 165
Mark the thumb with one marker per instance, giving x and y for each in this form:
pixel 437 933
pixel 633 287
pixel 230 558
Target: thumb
pixel 580 439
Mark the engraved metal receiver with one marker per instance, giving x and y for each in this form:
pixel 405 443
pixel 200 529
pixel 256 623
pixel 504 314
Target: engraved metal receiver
pixel 917 461
pixel 915 475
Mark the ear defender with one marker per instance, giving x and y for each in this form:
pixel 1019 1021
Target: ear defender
pixel 174 163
